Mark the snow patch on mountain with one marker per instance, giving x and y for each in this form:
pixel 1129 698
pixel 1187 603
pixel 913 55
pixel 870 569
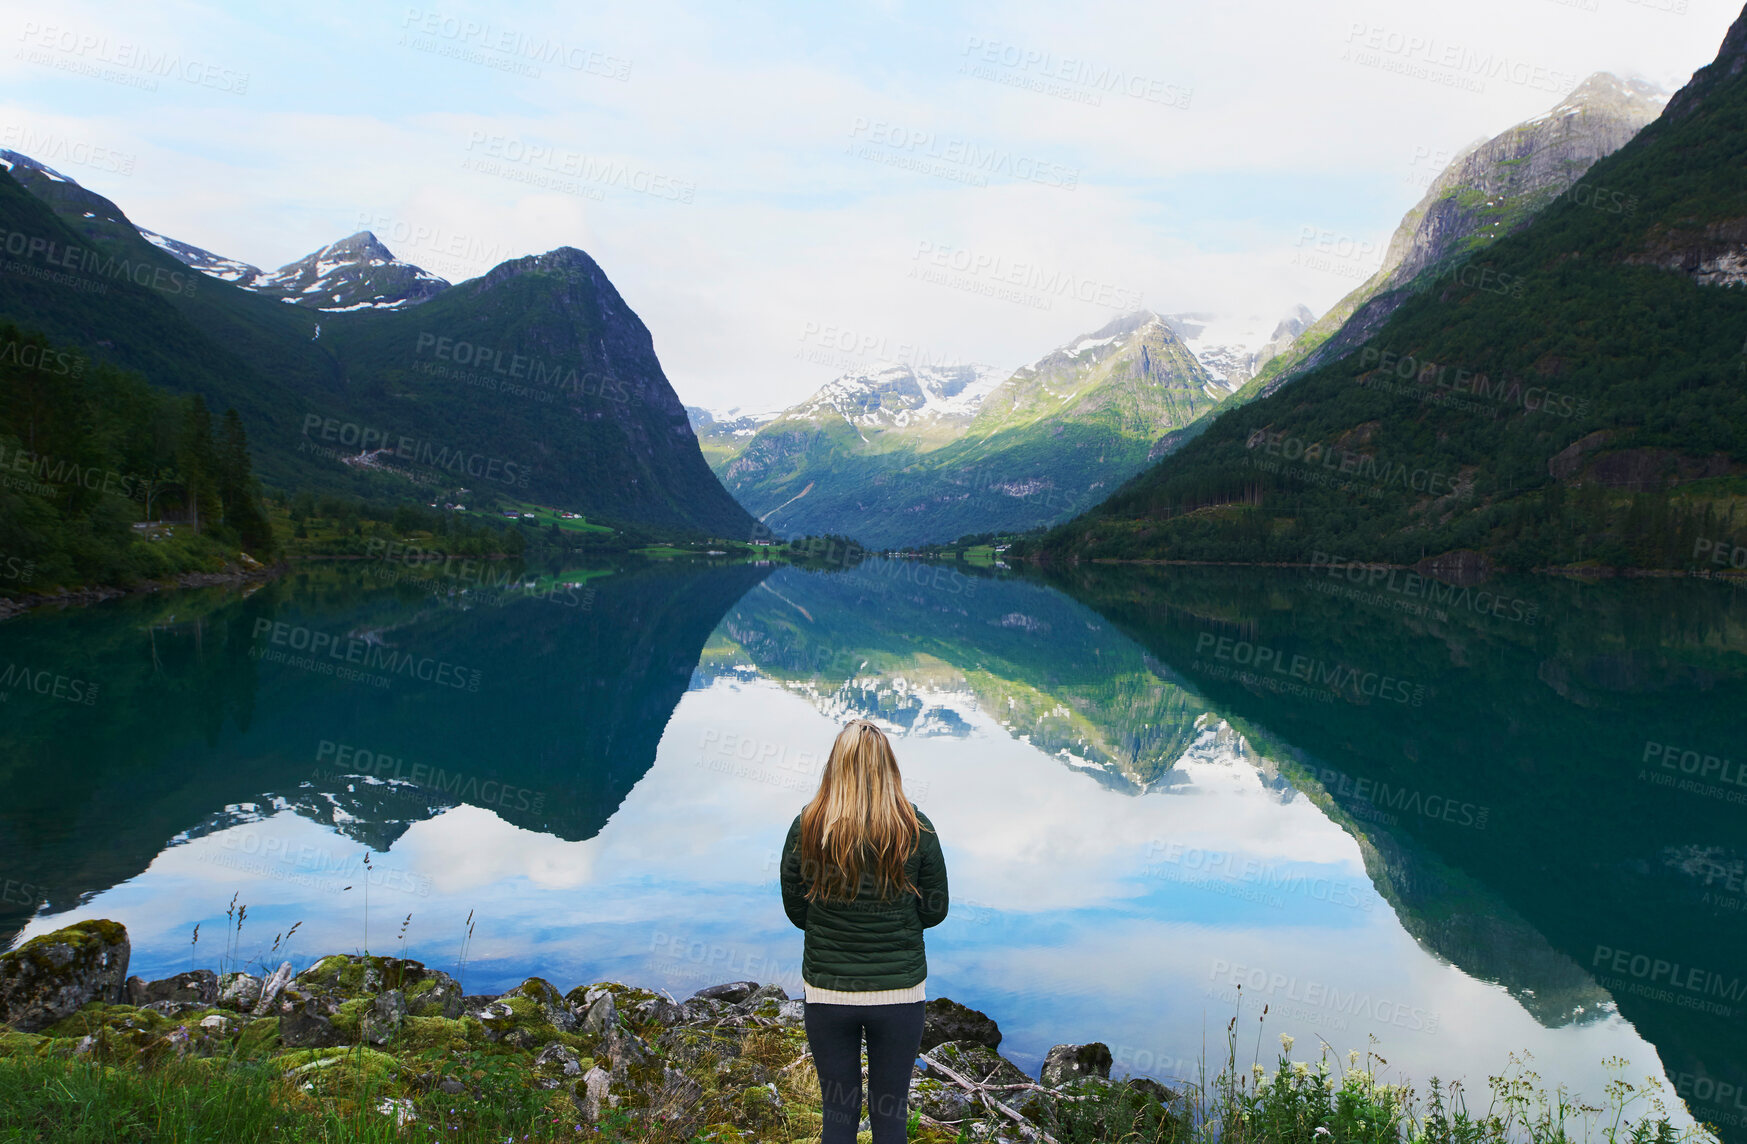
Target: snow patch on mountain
pixel 1234 348
pixel 893 397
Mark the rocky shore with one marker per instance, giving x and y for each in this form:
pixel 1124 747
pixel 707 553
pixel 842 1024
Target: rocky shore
pixel 729 1062
pixel 246 571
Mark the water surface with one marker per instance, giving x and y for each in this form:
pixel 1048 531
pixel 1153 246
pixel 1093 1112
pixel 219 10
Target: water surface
pixel 1460 826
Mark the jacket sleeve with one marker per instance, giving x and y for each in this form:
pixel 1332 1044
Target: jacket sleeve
pixel 794 891
pixel 931 879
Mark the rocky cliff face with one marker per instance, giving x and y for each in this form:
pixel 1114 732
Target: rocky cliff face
pixel 1489 189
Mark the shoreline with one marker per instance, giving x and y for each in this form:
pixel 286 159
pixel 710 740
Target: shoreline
pixel 11 606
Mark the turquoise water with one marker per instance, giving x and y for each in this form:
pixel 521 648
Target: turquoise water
pixel 1467 823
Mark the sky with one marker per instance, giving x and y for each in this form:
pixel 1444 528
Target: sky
pixel 787 192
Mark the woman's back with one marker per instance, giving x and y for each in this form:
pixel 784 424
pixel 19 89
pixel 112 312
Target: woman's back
pixel 862 877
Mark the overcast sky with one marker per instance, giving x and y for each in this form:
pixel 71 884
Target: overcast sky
pixel 786 191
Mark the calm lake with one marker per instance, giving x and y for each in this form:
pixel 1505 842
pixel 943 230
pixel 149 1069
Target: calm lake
pixel 1510 819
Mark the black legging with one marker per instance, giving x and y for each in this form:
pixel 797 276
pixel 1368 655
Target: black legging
pixel 894 1037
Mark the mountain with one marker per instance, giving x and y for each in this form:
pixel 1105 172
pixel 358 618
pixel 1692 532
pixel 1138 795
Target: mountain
pixel 356 273
pixel 533 383
pixel 903 455
pixel 1569 392
pixel 205 261
pixel 723 434
pixel 1491 188
pixel 1234 349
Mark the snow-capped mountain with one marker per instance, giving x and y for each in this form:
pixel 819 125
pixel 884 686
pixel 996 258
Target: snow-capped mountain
pixel 11 159
pixel 356 273
pixel 1234 349
pixel 903 396
pixel 205 261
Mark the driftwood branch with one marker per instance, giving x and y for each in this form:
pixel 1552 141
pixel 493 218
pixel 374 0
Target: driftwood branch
pixel 982 1093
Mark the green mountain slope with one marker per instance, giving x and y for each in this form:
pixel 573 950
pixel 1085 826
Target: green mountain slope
pixel 1042 445
pixel 1573 392
pixel 535 382
pixel 1491 188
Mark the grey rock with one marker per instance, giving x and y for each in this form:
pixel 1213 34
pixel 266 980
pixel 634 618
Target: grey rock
pixel 596 1094
pixel 174 1008
pixel 451 1086
pixel 384 1019
pixel 656 1011
pixel 272 988
pixel 733 992
pixel 1064 1063
pixel 200 985
pixel 940 1099
pixel 701 1010
pixel 791 1012
pixel 239 991
pixel 441 998
pixel 946 1020
pixel 559 1058
pixel 975 1062
pixel 602 1013
pixel 57 974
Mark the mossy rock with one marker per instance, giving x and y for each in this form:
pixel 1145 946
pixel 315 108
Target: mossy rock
pixel 350 1015
pixel 51 976
pixel 259 1036
pixel 420 1033
pixel 15 1043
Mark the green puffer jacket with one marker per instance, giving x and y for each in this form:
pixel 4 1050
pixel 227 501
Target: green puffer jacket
pixel 866 944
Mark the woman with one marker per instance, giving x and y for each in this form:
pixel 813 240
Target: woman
pixel 862 874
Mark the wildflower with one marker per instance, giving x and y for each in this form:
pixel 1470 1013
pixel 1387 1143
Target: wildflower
pixel 1321 1131
pixel 1353 1057
pixel 1285 1043
pixel 1300 1069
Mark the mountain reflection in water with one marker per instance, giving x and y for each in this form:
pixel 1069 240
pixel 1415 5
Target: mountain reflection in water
pixel 1448 827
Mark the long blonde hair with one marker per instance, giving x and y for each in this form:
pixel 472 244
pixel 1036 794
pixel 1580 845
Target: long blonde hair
pixel 859 813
